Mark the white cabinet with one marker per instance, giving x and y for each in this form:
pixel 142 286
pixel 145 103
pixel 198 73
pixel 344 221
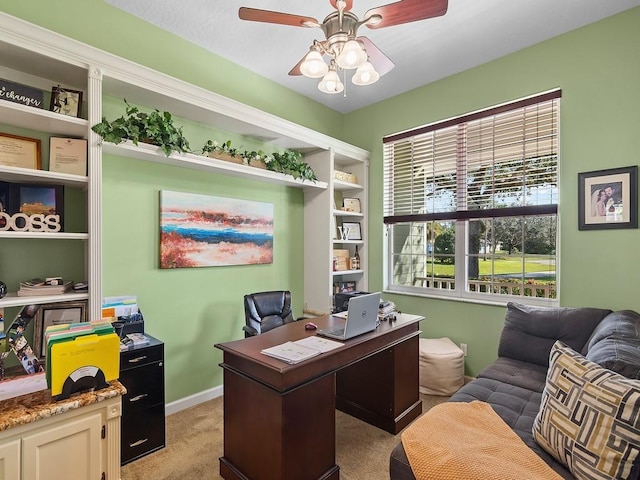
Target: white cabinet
pixel 10 460
pixel 82 444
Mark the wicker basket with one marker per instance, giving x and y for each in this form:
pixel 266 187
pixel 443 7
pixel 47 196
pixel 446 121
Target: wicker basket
pixel 345 176
pixel 237 159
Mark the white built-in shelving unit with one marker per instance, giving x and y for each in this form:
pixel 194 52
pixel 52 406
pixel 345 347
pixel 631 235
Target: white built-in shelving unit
pixel 40 58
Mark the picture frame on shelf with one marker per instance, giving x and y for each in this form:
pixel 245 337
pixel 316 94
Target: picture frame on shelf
pixel 351 205
pixel 31 200
pixel 68 155
pixel 608 199
pixel 22 152
pixel 55 314
pixel 66 101
pixel 353 229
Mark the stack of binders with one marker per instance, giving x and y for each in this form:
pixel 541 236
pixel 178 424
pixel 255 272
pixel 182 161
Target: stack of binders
pixel 81 356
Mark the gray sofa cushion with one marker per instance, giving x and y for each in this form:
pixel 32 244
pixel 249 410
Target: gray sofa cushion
pixel 615 343
pixel 518 373
pixel 529 332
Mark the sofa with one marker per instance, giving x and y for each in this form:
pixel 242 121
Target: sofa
pixel 514 384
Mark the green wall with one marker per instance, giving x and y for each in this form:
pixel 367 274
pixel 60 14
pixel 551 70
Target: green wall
pixel 598 69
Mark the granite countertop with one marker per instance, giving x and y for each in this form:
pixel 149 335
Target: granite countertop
pixel 39 405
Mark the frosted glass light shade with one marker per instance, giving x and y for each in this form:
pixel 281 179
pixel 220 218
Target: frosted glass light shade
pixel 365 75
pixel 351 56
pixel 313 65
pixel 331 83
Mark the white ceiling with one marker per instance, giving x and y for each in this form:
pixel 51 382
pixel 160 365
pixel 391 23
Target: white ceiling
pixel 472 32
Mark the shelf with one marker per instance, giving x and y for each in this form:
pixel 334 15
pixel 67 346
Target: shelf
pixel 348 272
pixel 344 213
pixel 43 120
pixel 45 235
pixel 152 153
pixel 343 186
pixel 348 242
pixel 27 175
pixel 13 300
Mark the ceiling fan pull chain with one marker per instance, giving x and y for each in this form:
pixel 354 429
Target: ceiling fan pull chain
pixel 344 80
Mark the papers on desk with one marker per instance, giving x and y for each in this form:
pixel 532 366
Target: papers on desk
pixel 295 352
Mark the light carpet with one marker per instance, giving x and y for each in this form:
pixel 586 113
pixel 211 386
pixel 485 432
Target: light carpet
pixel 195 443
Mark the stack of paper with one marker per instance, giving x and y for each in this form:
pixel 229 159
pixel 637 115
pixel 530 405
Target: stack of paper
pixel 295 352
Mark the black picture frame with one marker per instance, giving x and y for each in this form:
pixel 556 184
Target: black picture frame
pixel 608 199
pixel 355 233
pixel 31 199
pixel 55 314
pixel 66 101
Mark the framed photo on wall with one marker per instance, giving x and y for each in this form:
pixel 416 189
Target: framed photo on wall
pixel 608 199
pixel 55 314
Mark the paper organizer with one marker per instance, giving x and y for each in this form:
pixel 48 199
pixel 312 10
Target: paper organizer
pixel 81 356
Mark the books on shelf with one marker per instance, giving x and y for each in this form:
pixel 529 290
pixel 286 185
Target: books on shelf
pixel 300 350
pixel 37 286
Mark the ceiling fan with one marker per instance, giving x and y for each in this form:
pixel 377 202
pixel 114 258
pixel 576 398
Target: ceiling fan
pixel 344 49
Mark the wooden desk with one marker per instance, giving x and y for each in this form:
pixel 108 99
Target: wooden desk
pixel 279 419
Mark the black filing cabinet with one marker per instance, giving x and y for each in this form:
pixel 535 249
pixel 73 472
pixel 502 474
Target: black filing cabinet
pixel 142 423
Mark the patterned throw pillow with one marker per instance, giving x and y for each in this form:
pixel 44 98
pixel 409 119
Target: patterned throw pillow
pixel 589 418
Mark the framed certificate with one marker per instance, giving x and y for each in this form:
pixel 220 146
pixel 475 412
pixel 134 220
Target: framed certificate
pixel 351 204
pixel 23 152
pixel 68 155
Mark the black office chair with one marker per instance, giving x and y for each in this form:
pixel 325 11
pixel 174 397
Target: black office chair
pixel 264 311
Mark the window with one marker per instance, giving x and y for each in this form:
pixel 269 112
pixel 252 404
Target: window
pixel 470 204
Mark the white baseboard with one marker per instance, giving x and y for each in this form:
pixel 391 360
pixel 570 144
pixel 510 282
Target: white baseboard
pixel 193 400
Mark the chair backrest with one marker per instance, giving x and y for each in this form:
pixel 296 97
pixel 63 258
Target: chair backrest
pixel 264 311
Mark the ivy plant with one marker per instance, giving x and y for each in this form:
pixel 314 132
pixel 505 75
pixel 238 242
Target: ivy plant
pixel 156 128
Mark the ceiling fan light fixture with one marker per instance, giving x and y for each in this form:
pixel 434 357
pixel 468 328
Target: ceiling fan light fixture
pixel 351 56
pixel 314 65
pixel 365 75
pixel 331 83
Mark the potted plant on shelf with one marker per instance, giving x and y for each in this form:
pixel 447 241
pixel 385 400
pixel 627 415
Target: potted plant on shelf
pixel 155 128
pixel 291 163
pixel 221 151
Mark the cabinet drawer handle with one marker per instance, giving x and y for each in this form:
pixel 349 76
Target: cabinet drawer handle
pixel 139 442
pixel 139 397
pixel 137 359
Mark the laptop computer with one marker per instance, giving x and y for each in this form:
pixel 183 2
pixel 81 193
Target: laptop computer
pixel 362 317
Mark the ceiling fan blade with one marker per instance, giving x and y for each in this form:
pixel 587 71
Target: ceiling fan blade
pixel 256 15
pixel 334 4
pixel 406 11
pixel 379 60
pixel 296 70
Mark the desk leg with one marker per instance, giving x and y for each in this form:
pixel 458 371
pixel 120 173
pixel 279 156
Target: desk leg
pixel 382 390
pixel 269 435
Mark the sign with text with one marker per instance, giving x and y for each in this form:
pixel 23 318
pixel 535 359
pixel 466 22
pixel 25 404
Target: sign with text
pixel 18 93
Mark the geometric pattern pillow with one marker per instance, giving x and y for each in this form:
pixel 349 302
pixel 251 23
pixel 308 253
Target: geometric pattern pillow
pixel 589 418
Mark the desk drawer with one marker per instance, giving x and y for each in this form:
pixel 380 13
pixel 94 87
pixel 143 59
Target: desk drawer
pixel 145 387
pixel 142 434
pixel 141 356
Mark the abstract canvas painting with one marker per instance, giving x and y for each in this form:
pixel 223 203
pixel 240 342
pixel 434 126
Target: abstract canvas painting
pixel 202 231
